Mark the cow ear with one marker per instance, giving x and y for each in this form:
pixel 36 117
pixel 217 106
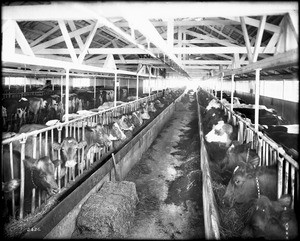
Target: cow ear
pixel 56 146
pixel 285 200
pixel 29 163
pixel 57 162
pixel 82 144
pixel 248 145
pixel 254 162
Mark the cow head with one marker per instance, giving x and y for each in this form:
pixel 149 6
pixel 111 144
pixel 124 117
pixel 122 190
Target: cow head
pixel 144 114
pixel 213 104
pixel 151 107
pixel 242 184
pixel 4 112
pixel 42 174
pixel 69 148
pixel 118 132
pixel 274 219
pixel 220 133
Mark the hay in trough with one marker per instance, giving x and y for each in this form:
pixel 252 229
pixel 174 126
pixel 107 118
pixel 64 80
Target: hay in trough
pixel 108 213
pixel 232 220
pixel 18 227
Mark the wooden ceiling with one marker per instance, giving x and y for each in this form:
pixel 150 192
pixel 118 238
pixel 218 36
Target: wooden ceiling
pixel 195 39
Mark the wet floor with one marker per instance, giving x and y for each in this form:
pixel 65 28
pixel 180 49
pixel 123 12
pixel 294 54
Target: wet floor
pixel 168 182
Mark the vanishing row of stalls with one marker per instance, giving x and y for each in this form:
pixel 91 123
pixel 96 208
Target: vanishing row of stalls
pixel 278 92
pixel 270 153
pixel 87 176
pixel 38 144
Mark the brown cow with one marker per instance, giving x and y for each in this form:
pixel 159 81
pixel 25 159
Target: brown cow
pixel 35 106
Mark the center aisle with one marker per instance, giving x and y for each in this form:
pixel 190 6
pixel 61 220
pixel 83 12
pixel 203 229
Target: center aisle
pixel 168 181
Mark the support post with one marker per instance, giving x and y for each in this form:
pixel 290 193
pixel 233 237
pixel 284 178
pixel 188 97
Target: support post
pixel 67 99
pixel 61 89
pixel 137 86
pixel 115 92
pixel 221 96
pixel 257 89
pixel 232 90
pixel 24 84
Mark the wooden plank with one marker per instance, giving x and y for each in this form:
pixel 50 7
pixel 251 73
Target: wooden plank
pixel 71 11
pixel 8 37
pixel 88 42
pixel 246 38
pixel 61 38
pixel 288 58
pixel 170 33
pixel 67 39
pixel 212 39
pixel 293 19
pixel 47 34
pixel 255 23
pixel 273 41
pixel 259 37
pixel 77 37
pixel 22 41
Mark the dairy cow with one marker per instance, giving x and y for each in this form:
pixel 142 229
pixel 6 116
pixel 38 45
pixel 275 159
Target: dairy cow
pixel 272 219
pixel 237 153
pixel 248 181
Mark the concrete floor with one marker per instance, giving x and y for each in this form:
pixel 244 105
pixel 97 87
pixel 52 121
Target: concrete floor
pixel 168 182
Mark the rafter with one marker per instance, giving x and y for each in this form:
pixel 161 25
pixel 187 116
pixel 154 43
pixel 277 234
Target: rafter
pixel 22 41
pixel 246 38
pixel 77 37
pixel 259 35
pixel 88 42
pixel 67 39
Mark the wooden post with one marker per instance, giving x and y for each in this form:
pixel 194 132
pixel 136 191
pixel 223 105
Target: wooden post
pixel 24 83
pixel 94 91
pixel 115 94
pixel 52 83
pixel 61 89
pixel 137 86
pixel 232 90
pixel 67 99
pixel 222 74
pixel 256 117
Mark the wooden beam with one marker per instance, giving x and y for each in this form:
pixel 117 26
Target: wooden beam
pixel 246 38
pixel 77 37
pixel 274 39
pixel 22 41
pixel 170 33
pixel 88 42
pixel 176 50
pixel 8 37
pixel 47 34
pixel 71 10
pixel 281 60
pixel 212 39
pixel 259 35
pixel 293 20
pixel 120 55
pixel 60 39
pixel 255 23
pixel 67 39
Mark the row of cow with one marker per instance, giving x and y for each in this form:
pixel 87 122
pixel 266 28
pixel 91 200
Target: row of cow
pixel 247 183
pixel 270 123
pixel 72 154
pixel 39 110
